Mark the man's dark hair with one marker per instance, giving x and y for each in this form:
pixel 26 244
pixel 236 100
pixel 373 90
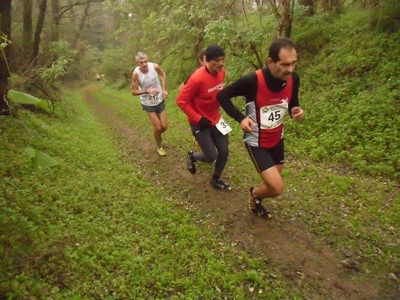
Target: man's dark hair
pixel 277 45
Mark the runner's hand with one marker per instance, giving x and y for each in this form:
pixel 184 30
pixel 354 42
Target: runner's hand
pixel 297 113
pixel 204 123
pixel 247 124
pixel 152 91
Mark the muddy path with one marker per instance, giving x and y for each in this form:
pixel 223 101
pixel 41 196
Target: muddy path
pixel 311 267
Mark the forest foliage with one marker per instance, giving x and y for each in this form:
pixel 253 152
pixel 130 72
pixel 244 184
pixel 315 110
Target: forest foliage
pixel 75 232
pixel 348 58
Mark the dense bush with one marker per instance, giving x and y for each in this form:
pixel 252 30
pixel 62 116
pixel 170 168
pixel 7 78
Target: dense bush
pixel 386 18
pixel 351 95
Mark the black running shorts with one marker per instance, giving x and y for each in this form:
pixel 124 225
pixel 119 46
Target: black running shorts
pixel 265 158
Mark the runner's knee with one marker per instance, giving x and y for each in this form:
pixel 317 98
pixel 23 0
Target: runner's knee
pixel 275 190
pixel 159 128
pixel 210 157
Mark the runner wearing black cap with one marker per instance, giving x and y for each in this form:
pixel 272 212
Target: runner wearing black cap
pixel 197 99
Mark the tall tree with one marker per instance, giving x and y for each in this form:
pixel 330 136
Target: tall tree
pixel 55 10
pixel 38 31
pixel 310 4
pixel 286 18
pixel 331 5
pixel 5 31
pixel 81 24
pixel 283 11
pixel 27 29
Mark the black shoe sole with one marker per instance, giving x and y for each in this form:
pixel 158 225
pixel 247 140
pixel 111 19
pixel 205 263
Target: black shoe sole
pixel 219 188
pixel 191 170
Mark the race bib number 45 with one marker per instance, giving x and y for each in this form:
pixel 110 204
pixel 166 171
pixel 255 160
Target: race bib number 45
pixel 223 127
pixel 272 116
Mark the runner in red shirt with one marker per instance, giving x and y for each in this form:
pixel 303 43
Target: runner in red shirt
pixel 197 99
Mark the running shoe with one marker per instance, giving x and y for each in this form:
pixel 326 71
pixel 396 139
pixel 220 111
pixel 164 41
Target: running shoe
pixel 191 163
pixel 219 184
pixel 161 151
pixel 257 208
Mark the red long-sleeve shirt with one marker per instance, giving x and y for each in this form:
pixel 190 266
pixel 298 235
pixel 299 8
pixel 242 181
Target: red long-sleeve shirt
pixel 198 97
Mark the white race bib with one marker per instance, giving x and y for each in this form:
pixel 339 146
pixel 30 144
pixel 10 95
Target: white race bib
pixel 272 116
pixel 223 127
pixel 152 99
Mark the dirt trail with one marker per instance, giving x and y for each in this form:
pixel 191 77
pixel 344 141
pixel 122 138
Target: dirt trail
pixel 313 268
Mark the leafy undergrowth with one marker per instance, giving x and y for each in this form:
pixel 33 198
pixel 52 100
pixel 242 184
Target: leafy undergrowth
pixel 356 215
pixel 350 91
pixel 90 228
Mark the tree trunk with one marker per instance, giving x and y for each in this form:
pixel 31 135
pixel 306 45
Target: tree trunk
pixel 5 30
pixel 56 16
pixel 55 9
pixel 38 31
pixel 286 18
pixel 27 29
pixel 310 6
pixel 81 24
pixel 331 5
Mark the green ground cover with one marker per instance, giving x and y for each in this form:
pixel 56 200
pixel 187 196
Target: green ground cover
pixel 89 228
pixel 351 212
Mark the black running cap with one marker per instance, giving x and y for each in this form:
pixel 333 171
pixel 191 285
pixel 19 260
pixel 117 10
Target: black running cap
pixel 213 51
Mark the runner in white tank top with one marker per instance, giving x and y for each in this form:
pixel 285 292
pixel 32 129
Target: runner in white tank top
pixel 146 84
pixel 147 81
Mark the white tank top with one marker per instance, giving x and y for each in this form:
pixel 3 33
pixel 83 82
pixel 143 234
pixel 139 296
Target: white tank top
pixel 147 81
